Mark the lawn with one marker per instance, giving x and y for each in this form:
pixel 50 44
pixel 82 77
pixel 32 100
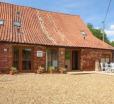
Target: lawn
pixel 56 89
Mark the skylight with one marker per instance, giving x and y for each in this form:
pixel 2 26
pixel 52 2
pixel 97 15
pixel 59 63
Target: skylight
pixel 17 24
pixel 83 34
pixel 1 22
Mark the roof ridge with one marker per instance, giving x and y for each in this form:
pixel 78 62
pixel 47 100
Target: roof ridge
pixel 41 9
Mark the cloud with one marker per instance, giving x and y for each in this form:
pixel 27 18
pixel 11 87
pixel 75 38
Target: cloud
pixel 110 31
pixel 112 27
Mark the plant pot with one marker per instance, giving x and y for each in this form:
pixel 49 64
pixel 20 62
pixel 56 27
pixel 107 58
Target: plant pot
pixel 62 72
pixel 11 73
pixel 51 71
pixel 39 72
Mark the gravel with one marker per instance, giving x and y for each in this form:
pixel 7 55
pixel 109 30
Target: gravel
pixel 33 88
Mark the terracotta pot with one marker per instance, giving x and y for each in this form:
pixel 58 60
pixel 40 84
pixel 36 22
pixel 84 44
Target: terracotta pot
pixel 38 72
pixel 11 73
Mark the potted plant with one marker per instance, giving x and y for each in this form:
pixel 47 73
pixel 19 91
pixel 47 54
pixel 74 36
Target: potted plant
pixel 62 70
pixel 51 69
pixel 40 70
pixel 13 70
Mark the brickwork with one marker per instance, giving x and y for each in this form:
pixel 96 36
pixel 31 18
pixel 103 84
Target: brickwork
pixel 39 61
pixel 61 57
pixel 89 56
pixel 5 57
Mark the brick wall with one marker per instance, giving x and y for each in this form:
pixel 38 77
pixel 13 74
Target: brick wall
pixel 61 57
pixel 89 56
pixel 5 57
pixel 37 61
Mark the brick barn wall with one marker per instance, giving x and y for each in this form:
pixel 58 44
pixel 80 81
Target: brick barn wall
pixel 89 56
pixel 61 57
pixel 36 60
pixel 5 57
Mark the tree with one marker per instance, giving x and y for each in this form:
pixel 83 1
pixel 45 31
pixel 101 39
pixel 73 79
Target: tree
pixel 112 43
pixel 98 33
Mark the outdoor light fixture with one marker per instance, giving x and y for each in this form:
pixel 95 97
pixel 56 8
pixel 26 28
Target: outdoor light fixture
pixel 5 49
pixel 83 34
pixel 62 52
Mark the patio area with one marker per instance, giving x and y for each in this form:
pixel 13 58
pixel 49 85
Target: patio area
pixel 33 88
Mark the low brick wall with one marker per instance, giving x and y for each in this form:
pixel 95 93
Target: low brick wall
pixel 89 56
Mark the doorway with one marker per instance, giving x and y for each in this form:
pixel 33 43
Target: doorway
pixel 22 58
pixel 52 58
pixel 16 58
pixel 26 59
pixel 75 60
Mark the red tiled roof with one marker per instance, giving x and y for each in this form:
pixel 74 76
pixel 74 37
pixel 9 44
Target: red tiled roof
pixel 45 28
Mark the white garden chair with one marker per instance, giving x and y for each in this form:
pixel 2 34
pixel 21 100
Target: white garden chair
pixel 112 67
pixel 105 67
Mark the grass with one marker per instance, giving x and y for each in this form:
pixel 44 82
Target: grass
pixel 56 89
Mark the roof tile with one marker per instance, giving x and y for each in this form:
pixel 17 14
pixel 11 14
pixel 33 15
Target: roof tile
pixel 45 28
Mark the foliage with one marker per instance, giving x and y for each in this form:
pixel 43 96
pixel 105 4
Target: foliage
pixel 67 55
pixel 112 43
pixel 98 33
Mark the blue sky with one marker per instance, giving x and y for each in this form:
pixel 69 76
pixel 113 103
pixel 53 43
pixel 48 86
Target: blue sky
pixel 91 11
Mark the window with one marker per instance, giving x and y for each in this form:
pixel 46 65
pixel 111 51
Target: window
pixel 17 24
pixel 105 58
pixel 1 22
pixel 83 33
pixel 67 55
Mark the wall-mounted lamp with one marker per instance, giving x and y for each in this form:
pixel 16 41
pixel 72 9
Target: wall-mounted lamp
pixel 5 49
pixel 62 52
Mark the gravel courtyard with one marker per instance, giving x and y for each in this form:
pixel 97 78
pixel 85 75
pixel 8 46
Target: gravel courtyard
pixel 56 89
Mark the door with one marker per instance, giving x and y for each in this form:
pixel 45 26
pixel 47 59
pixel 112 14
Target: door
pixel 16 58
pixel 26 59
pixel 52 58
pixel 22 58
pixel 75 62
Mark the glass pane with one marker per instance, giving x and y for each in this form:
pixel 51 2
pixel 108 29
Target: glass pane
pixel 16 58
pixel 26 59
pixel 102 60
pixel 52 55
pixel 67 55
pixel 107 60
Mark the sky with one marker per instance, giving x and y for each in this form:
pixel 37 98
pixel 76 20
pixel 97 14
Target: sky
pixel 91 11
